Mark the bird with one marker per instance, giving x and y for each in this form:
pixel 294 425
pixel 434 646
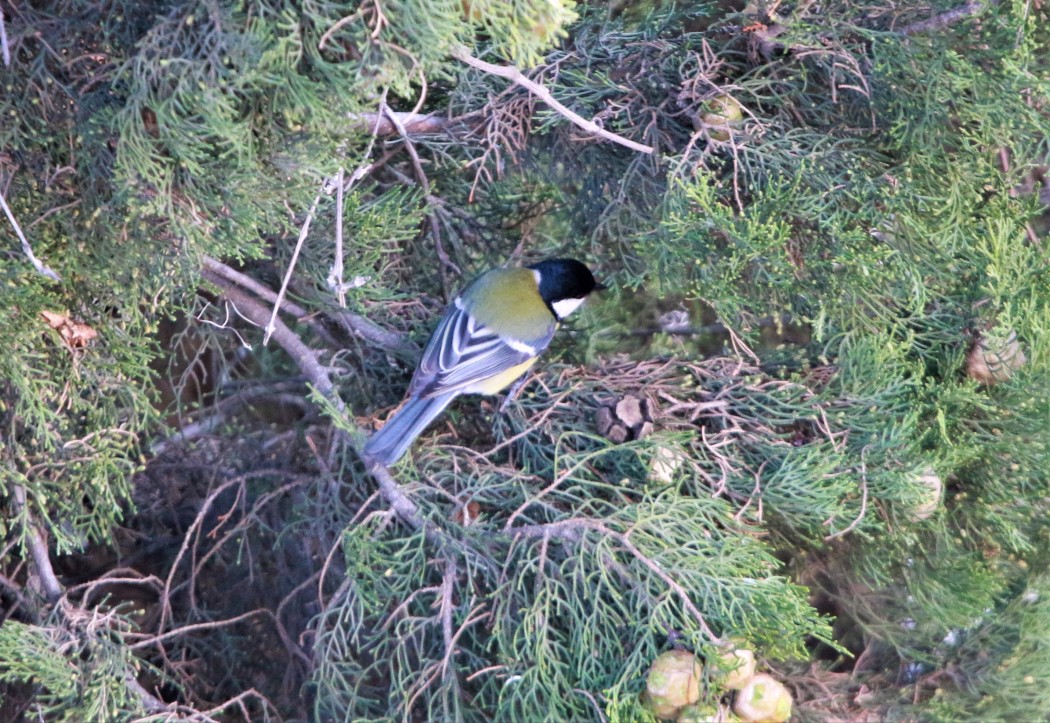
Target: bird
pixel 489 337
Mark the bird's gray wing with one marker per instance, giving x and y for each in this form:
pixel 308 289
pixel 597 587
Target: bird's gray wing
pixel 461 352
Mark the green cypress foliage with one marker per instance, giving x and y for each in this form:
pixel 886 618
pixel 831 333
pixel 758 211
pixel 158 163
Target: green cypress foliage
pixel 811 416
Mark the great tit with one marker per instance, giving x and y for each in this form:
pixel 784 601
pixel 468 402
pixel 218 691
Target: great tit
pixel 489 337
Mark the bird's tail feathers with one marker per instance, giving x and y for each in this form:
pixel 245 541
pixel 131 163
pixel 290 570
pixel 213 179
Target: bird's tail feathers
pixel 391 442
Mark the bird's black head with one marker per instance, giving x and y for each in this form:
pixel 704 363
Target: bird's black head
pixel 564 284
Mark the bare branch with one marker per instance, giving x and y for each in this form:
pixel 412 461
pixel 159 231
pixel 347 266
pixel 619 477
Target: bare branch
pixel 306 359
pixel 303 356
pixel 216 268
pixel 210 625
pixel 26 248
pixel 368 330
pixel 150 702
pixel 222 276
pixel 413 123
pixel 38 549
pixel 514 75
pixel 399 502
pixel 947 18
pixel 5 51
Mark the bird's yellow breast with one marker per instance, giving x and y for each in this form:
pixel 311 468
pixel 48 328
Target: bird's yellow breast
pixel 501 381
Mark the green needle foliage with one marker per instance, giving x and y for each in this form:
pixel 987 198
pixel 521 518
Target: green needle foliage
pixel 811 416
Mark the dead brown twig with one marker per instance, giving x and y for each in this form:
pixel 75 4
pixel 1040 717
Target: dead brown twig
pixel 514 75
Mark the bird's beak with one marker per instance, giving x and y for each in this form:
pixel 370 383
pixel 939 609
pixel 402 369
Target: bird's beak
pixel 599 286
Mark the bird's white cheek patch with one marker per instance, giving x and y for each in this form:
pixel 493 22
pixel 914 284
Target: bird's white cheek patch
pixel 564 307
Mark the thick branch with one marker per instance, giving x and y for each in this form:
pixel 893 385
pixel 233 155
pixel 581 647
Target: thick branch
pixel 399 502
pixel 306 359
pixel 514 75
pixel 413 123
pixel 303 356
pixel 38 549
pixel 223 276
pixel 947 18
pixel 217 268
pixel 368 330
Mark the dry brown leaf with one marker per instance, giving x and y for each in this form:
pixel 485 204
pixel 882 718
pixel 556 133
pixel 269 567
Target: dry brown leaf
pixel 73 333
pixel 467 514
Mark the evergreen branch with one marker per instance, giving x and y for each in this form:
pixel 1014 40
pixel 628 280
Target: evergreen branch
pixel 514 75
pixel 54 591
pixel 863 498
pixel 338 24
pixel 573 529
pixel 947 18
pixel 26 248
pixel 625 540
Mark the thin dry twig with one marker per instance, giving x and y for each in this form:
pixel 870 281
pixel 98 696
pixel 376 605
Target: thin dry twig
pixel 214 267
pixel 514 75
pixel 210 625
pixel 338 24
pixel 335 275
pixel 271 324
pixel 863 499
pixel 399 502
pixel 39 265
pixel 424 182
pixel 222 275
